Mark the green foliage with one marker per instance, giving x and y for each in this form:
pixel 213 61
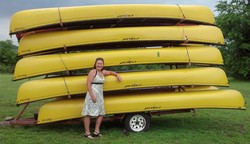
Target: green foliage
pixel 8 56
pixel 139 67
pixel 234 21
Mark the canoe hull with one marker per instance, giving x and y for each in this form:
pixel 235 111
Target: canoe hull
pixel 46 64
pixel 72 108
pixel 62 86
pixel 119 37
pixel 37 19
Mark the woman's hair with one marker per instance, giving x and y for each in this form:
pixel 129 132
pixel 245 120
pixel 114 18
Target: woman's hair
pixel 97 59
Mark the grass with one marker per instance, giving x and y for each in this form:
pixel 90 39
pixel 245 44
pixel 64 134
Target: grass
pixel 206 127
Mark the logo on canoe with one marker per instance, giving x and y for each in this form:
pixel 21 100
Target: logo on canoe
pixel 152 108
pixel 130 39
pixel 46 120
pixel 19 28
pixel 25 100
pixel 19 76
pixel 132 86
pixel 128 62
pixel 25 51
pixel 125 15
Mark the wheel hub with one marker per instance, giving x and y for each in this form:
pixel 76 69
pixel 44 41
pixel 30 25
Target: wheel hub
pixel 137 123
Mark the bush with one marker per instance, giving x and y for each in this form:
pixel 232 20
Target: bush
pixel 8 56
pixel 233 19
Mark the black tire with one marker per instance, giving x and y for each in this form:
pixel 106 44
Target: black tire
pixel 36 115
pixel 137 122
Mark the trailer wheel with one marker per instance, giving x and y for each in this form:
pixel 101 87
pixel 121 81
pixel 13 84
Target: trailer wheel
pixel 137 122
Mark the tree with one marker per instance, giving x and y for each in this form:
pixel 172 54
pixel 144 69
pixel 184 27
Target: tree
pixel 234 21
pixel 8 56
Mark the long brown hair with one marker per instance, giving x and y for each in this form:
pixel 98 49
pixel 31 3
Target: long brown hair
pixel 97 59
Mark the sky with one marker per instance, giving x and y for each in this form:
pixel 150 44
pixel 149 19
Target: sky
pixel 9 7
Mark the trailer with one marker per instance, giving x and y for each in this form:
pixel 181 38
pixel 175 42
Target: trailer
pixel 135 122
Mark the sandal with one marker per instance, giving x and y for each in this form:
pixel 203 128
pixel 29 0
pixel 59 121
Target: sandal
pixel 96 134
pixel 89 136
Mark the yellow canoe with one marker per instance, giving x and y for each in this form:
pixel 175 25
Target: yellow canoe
pixel 62 86
pixel 138 14
pixel 144 102
pixel 46 64
pixel 119 37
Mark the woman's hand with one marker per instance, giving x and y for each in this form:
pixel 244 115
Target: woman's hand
pixel 93 98
pixel 119 78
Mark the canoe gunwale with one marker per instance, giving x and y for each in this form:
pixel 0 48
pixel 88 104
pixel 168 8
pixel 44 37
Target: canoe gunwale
pixel 22 77
pixel 111 22
pixel 113 91
pixel 114 45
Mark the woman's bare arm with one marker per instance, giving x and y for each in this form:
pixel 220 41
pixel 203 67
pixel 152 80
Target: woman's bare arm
pixel 89 83
pixel 106 72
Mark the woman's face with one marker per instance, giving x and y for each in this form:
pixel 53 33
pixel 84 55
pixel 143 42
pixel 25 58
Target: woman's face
pixel 99 65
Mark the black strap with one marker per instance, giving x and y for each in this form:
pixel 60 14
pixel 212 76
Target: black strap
pixel 96 83
pixel 94 77
pixel 95 73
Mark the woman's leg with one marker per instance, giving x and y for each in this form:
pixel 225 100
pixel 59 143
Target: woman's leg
pixel 87 124
pixel 98 123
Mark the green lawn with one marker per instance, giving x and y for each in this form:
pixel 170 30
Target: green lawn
pixel 206 127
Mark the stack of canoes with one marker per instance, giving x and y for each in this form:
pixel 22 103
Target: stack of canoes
pixel 63 40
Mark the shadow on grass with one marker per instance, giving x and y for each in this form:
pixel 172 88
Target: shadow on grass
pixel 78 128
pixel 172 123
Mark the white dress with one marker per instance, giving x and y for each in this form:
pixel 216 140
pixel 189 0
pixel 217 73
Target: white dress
pixel 97 108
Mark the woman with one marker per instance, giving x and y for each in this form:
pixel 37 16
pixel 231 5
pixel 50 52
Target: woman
pixel 94 103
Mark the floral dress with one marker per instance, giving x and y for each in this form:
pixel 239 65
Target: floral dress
pixel 97 108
